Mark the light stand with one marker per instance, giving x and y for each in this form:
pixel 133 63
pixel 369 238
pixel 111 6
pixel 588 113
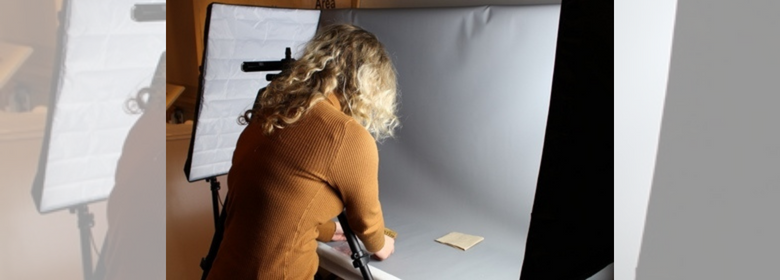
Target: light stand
pixel 85 221
pixel 359 258
pixel 206 262
pixel 215 199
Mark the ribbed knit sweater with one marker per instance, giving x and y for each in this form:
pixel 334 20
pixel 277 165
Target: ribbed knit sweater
pixel 285 189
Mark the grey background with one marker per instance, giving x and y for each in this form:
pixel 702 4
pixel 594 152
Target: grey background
pixel 475 87
pixel 713 204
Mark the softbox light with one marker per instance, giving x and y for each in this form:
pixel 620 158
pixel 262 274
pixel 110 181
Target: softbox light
pixel 235 34
pixel 104 59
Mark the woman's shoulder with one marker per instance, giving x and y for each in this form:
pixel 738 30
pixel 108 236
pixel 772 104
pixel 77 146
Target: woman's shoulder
pixel 340 123
pixel 326 115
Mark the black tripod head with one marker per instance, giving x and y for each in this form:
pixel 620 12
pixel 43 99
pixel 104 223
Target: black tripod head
pixel 259 66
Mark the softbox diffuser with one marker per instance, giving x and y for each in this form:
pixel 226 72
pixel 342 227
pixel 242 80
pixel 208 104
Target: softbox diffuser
pixel 235 34
pixel 104 59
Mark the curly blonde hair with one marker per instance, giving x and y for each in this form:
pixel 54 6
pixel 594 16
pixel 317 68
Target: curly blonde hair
pixel 342 59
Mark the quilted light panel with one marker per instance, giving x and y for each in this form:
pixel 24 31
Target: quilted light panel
pixel 105 59
pixel 237 34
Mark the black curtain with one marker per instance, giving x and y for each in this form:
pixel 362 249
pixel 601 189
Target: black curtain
pixel 571 232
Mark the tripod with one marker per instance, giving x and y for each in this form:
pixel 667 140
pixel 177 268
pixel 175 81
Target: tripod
pixel 85 222
pixel 359 257
pixel 215 199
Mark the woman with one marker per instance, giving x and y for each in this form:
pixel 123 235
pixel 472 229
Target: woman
pixel 308 152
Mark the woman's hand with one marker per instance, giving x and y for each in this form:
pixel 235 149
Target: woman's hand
pixel 338 235
pixel 387 250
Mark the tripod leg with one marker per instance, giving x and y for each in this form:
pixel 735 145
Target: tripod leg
pixel 208 261
pixel 85 221
pixel 359 258
pixel 215 199
pixel 100 267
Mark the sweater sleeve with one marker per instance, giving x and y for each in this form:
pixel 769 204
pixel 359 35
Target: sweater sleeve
pixel 326 231
pixel 354 174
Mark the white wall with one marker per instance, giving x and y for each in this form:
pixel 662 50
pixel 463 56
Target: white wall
pixel 643 44
pixel 32 245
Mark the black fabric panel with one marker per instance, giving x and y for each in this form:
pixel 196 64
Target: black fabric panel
pixel 571 233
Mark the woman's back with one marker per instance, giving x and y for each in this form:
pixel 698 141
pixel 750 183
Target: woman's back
pixel 283 186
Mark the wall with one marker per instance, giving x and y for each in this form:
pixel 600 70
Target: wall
pixel 181 52
pixel 32 245
pixel 189 218
pixel 713 207
pixel 34 24
pixel 643 45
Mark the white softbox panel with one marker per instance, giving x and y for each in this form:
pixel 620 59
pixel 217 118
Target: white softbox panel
pixel 235 34
pixel 105 59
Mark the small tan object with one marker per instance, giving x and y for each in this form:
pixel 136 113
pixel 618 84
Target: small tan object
pixel 391 233
pixel 460 240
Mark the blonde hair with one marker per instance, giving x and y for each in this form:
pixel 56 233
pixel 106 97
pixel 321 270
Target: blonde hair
pixel 342 59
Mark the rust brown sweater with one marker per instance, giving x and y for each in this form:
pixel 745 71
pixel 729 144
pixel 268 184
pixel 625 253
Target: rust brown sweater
pixel 285 188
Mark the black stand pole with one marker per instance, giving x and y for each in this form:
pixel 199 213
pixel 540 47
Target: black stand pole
pixel 85 221
pixel 359 258
pixel 215 199
pixel 206 262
